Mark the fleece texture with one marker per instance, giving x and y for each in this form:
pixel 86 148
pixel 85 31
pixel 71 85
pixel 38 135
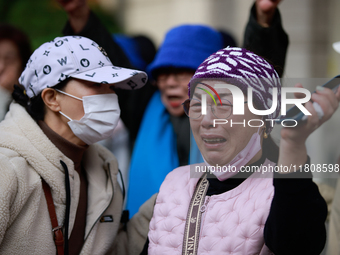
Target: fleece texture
pixel 26 157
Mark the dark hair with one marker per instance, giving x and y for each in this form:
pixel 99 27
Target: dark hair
pixel 35 106
pixel 171 70
pixel 19 38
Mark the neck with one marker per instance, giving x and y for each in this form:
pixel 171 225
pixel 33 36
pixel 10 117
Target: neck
pixel 58 124
pixel 256 157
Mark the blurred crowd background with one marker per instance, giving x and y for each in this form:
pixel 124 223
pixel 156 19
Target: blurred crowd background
pixel 312 26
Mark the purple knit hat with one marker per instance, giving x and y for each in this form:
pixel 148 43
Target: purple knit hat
pixel 243 69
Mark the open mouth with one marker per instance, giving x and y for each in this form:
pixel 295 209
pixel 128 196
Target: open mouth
pixel 175 101
pixel 214 140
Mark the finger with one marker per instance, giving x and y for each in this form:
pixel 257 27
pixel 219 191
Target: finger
pixel 313 121
pixel 337 94
pixel 266 6
pixel 326 105
pixel 329 94
pixel 298 85
pixel 297 94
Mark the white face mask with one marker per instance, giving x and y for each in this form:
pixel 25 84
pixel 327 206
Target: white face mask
pixel 100 119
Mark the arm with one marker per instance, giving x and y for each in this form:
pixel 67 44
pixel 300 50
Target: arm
pixel 296 222
pixel 138 227
pixel 8 194
pixel 265 35
pixel 298 212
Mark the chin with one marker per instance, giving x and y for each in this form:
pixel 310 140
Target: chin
pixel 220 158
pixel 214 160
pixel 175 112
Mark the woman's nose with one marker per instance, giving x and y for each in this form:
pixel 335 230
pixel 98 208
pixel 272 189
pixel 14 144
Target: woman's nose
pixel 207 120
pixel 171 80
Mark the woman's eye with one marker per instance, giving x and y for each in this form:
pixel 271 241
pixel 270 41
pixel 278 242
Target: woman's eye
pixel 195 105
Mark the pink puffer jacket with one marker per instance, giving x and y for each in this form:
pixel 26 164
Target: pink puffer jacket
pixel 232 223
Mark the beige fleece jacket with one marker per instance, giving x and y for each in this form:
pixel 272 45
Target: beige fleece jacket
pixel 26 156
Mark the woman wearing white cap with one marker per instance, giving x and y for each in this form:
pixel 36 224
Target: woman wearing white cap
pixel 59 191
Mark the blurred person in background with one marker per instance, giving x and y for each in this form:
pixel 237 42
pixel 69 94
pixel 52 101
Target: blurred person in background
pixel 15 49
pixel 139 49
pixel 170 128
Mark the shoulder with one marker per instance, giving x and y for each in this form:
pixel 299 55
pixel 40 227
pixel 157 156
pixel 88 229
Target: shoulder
pixel 11 164
pixel 179 172
pixel 181 177
pixel 15 170
pixel 10 172
pixel 194 171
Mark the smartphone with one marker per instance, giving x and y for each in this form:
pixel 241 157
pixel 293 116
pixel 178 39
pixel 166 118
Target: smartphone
pixel 295 113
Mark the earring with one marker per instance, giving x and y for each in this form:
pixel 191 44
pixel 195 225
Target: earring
pixel 265 135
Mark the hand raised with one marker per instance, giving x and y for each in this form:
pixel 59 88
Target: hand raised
pixel 327 100
pixel 265 10
pixel 267 5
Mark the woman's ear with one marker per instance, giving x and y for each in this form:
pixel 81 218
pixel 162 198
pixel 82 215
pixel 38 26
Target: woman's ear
pixel 50 98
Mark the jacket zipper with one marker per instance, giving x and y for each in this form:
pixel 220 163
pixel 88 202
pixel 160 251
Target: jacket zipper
pixel 105 207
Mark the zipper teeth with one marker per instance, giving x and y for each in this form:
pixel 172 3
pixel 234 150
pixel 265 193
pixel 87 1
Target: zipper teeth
pixel 105 207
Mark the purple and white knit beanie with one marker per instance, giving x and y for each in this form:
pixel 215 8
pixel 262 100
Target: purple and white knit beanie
pixel 243 69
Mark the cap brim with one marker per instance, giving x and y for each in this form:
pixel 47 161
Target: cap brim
pixel 123 78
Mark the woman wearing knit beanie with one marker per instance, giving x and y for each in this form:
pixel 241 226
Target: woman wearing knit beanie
pixel 245 198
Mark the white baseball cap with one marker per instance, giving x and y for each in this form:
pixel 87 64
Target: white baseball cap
pixel 77 57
